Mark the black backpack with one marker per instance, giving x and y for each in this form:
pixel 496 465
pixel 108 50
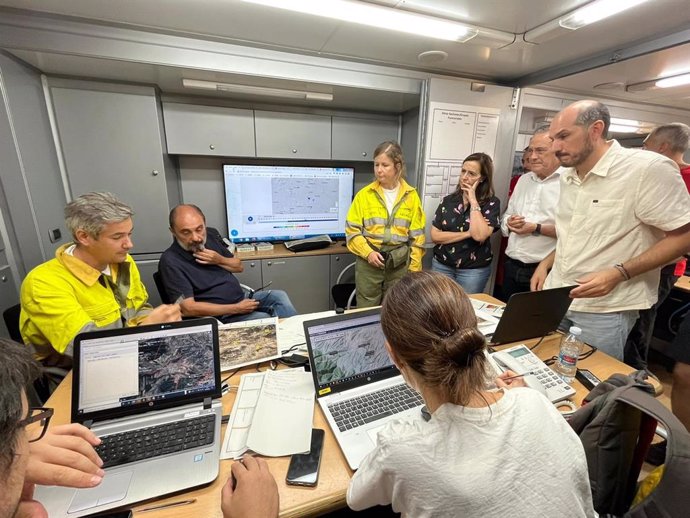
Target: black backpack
pixel 616 427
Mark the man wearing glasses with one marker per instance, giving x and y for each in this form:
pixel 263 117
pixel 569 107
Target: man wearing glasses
pixel 529 220
pixel 29 452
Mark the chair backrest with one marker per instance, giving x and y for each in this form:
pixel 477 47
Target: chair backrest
pixel 160 287
pixel 616 426
pixel 11 318
pixel 343 293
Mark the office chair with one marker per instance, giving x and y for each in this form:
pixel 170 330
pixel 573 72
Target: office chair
pixel 50 377
pixel 343 293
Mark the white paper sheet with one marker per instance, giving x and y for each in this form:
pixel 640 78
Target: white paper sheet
pixel 272 414
pixel 283 416
pixel 291 330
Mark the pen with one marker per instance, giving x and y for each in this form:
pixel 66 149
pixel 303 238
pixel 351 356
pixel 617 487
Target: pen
pixel 166 506
pixel 517 376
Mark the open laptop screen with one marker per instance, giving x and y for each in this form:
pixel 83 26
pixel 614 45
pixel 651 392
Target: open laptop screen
pixel 347 350
pixel 147 367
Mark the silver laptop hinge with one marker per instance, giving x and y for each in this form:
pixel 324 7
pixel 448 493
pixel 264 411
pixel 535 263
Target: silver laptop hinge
pixel 88 424
pixel 207 403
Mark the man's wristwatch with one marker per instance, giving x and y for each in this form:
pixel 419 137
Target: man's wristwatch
pixel 537 231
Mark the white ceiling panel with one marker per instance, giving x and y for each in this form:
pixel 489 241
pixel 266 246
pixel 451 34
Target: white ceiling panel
pixel 237 22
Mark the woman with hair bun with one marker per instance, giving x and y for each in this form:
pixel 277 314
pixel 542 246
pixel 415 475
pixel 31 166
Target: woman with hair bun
pixel 484 452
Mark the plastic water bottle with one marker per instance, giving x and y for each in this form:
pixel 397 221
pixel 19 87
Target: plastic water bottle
pixel 571 345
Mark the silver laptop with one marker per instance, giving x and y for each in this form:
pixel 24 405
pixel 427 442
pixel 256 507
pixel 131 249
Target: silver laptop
pixel 153 394
pixel 357 386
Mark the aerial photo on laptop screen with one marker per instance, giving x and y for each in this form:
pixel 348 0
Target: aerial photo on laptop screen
pixel 173 364
pixel 349 352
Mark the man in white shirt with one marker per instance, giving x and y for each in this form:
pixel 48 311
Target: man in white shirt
pixel 622 214
pixel 529 220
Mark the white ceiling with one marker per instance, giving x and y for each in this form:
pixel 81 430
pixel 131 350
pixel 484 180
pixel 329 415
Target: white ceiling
pixel 239 23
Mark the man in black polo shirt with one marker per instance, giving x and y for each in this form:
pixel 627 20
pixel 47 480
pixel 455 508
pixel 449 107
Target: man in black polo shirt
pixel 198 268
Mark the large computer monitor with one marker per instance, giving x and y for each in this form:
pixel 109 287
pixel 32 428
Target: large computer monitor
pixel 279 203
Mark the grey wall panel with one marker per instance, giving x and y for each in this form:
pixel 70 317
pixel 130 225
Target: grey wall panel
pixel 29 172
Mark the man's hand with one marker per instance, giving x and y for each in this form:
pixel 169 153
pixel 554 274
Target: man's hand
pixel 536 283
pixel 518 225
pixel 208 256
pixel 163 313
pixel 65 457
pixel 376 259
pixel 255 494
pixel 245 306
pixel 597 284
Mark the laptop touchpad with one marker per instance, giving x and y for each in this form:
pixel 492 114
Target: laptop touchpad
pixel 373 434
pixel 112 489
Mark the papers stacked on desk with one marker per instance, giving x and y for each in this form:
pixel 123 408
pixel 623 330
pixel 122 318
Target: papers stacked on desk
pixel 488 315
pixel 272 414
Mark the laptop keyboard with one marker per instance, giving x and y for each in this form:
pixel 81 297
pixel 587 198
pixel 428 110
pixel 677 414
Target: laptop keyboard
pixel 144 443
pixel 371 407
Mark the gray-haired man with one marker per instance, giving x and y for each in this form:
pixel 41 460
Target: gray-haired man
pixel 92 283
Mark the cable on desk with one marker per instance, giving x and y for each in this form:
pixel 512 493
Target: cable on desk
pixel 589 353
pixel 293 348
pixel 230 375
pixel 540 341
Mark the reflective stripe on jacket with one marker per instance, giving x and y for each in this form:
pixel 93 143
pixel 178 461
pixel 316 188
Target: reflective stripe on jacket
pixel 64 296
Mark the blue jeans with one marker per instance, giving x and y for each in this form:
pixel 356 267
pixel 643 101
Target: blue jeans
pixel 472 280
pixel 605 331
pixel 272 303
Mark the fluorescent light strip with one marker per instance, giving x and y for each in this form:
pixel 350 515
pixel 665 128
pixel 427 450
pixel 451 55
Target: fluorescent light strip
pixel 670 82
pixel 596 11
pixel 377 16
pixel 257 90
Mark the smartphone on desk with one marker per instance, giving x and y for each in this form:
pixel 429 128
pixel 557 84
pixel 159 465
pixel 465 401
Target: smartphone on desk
pixel 537 374
pixel 304 467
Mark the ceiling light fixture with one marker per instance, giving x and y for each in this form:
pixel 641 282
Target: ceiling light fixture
pixel 372 15
pixel 596 11
pixel 585 15
pixel 257 90
pixel 664 82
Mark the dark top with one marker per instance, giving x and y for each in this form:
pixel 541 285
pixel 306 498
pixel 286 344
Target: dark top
pixel 183 276
pixel 453 216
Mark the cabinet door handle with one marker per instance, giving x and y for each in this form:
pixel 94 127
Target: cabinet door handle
pixel 4 278
pixel 155 172
pixel 271 263
pixel 294 151
pixel 252 265
pixel 212 147
pixel 364 153
pixel 337 259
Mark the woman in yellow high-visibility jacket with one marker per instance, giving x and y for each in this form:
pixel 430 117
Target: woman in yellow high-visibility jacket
pixel 385 227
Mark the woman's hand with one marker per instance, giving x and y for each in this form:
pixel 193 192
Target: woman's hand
pixel 470 191
pixel 503 382
pixel 376 260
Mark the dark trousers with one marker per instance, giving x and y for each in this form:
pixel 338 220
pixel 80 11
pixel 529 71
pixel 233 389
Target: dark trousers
pixel 637 345
pixel 516 276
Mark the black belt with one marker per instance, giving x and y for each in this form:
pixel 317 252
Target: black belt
pixel 520 263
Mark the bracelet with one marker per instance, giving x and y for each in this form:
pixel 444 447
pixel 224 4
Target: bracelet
pixel 475 208
pixel 621 269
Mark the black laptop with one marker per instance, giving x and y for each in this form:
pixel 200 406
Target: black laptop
pixel 532 314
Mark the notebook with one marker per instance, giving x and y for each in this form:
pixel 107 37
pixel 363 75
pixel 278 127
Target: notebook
pixel 357 385
pixel 160 382
pixel 532 314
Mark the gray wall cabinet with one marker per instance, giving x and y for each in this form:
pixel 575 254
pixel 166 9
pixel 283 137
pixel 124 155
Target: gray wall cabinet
pixel 292 135
pixel 192 129
pixel 111 140
pixel 355 138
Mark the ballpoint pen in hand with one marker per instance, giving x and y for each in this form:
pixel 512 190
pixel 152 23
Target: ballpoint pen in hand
pixel 516 376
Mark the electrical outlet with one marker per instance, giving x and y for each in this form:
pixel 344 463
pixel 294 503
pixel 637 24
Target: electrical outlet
pixel 55 235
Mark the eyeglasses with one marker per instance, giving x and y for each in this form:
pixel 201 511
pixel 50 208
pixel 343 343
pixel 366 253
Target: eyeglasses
pixel 36 415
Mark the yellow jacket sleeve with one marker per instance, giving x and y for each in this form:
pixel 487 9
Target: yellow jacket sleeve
pixel 416 236
pixel 354 227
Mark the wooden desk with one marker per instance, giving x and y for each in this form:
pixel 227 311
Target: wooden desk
pixel 335 474
pixel 683 284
